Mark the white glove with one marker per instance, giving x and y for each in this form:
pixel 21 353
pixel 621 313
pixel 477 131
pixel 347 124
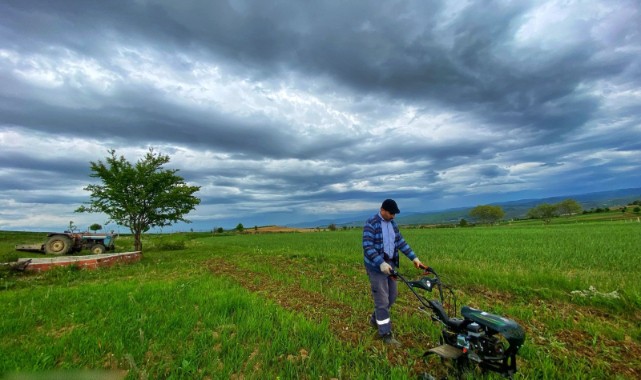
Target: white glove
pixel 386 268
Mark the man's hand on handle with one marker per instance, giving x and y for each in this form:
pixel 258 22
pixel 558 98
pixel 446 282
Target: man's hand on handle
pixel 389 270
pixel 418 264
pixel 386 268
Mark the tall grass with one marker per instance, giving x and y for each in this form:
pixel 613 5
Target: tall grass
pixel 548 261
pixel 174 316
pixel 192 326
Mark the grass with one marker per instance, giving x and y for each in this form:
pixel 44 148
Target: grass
pixel 295 305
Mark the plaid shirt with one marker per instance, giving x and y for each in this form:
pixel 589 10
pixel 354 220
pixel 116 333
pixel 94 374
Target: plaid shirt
pixel 373 244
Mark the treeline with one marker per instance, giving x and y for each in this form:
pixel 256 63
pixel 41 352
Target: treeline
pixel 634 207
pixel 489 214
pixel 547 211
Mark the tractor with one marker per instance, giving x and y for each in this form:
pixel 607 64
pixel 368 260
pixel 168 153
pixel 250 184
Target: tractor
pixel 69 242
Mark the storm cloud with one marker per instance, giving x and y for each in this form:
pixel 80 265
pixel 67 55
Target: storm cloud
pixel 287 111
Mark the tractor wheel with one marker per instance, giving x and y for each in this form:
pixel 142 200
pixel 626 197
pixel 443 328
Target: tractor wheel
pixel 58 245
pixel 97 249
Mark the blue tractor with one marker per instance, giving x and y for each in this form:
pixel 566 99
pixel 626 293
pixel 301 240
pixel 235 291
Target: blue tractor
pixel 70 242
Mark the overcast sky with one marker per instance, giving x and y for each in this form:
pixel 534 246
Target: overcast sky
pixel 287 111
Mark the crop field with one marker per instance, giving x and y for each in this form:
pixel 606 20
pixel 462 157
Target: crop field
pixel 296 305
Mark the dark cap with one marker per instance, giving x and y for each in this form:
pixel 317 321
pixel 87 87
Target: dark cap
pixel 390 206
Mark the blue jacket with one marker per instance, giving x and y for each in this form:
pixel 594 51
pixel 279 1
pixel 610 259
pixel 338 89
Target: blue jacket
pixel 373 244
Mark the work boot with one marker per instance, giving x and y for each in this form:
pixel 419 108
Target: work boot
pixel 390 340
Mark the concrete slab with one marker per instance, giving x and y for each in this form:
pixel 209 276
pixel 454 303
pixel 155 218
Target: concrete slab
pixel 39 264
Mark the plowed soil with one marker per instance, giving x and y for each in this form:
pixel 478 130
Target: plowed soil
pixel 351 325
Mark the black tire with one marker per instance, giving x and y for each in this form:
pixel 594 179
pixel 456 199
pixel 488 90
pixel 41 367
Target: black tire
pixel 58 245
pixel 98 249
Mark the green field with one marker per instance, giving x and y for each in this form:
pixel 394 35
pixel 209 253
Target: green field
pixel 295 305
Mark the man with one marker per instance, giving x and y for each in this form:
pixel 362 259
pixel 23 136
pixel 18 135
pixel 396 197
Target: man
pixel 381 242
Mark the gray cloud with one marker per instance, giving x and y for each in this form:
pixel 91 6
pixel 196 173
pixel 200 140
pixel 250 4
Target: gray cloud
pixel 324 107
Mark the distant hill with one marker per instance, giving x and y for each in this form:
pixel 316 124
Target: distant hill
pixel 520 208
pixel 513 209
pixel 351 220
pixel 588 201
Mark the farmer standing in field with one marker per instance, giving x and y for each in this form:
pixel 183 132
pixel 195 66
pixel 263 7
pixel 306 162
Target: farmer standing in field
pixel 381 242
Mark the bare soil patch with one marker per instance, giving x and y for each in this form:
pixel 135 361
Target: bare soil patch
pixel 277 229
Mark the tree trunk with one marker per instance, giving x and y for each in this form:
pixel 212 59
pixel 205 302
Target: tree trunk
pixel 137 241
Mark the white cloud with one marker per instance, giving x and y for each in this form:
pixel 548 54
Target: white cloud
pixel 325 112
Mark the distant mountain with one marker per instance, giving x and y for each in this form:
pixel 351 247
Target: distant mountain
pixel 518 209
pixel 353 220
pixel 345 221
pixel 513 209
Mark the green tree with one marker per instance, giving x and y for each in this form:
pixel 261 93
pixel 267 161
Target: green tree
pixel 220 230
pixel 139 196
pixel 543 211
pixel 569 207
pixel 240 227
pixel 487 213
pixel 332 227
pixel 95 227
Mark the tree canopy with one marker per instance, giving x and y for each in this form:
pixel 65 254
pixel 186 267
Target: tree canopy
pixel 140 196
pixel 546 211
pixel 95 227
pixel 568 207
pixel 487 213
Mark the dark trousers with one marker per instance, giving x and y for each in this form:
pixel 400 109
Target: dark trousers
pixel 384 292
